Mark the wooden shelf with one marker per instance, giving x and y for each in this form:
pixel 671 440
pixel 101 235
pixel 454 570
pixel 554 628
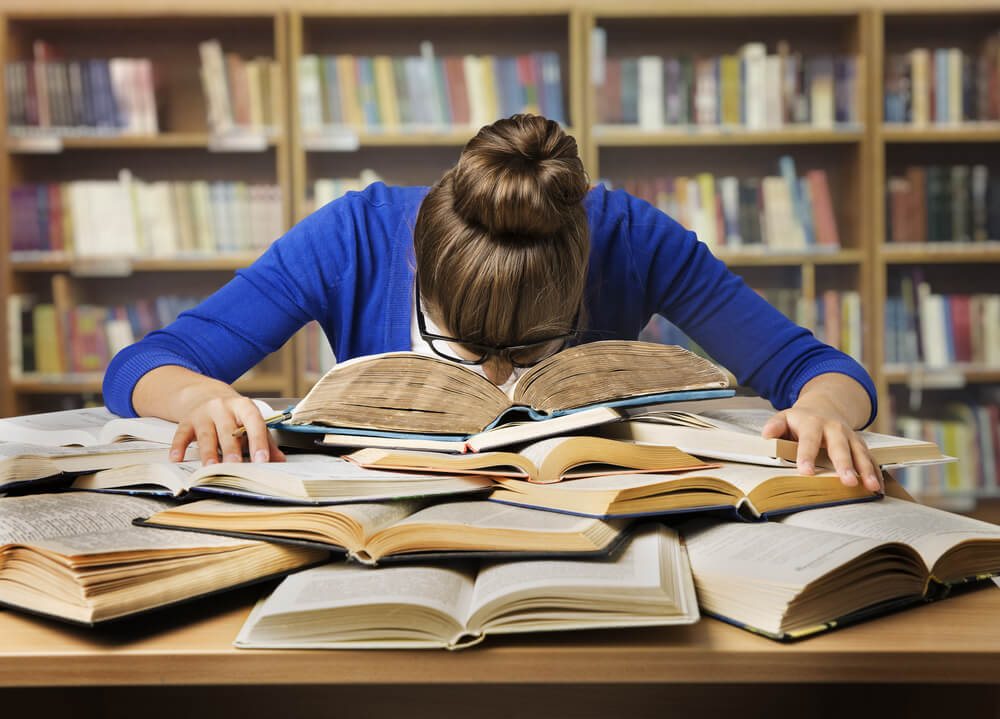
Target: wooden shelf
pixel 623 136
pixel 943 377
pixel 48 144
pixel 58 384
pixel 445 137
pixel 970 132
pixel 931 252
pixel 735 258
pixel 119 266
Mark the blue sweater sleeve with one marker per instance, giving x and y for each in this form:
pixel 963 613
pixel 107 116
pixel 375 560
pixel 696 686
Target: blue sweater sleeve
pixel 252 315
pixel 738 328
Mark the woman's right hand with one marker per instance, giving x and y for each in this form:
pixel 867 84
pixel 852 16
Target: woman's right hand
pixel 207 411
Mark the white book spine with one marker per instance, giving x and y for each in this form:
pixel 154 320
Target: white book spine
pixel 754 57
pixel 650 92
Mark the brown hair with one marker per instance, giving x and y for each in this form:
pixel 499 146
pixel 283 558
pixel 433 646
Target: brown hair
pixel 501 241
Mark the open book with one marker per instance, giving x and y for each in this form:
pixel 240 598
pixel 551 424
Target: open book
pixel 408 392
pixel 90 426
pixel 76 556
pixel 734 434
pixel 303 479
pixel 751 491
pixel 456 605
pixel 544 462
pixel 22 465
pixel 816 570
pixel 404 529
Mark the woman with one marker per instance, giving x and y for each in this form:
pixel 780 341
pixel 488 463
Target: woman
pixel 512 256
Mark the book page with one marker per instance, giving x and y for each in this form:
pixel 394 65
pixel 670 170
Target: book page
pixel 74 426
pixel 323 590
pixel 26 520
pixel 135 539
pixel 931 532
pixel 16 449
pixel 491 515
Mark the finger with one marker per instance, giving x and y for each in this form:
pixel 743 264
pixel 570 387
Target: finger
pixel 276 454
pixel 775 427
pixel 865 464
pixel 225 424
pixel 208 441
pixel 182 438
pixel 256 431
pixel 839 449
pixel 810 436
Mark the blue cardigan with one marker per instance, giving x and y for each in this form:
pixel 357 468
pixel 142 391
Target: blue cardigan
pixel 350 266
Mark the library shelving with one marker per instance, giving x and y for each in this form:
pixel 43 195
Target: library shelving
pixel 185 148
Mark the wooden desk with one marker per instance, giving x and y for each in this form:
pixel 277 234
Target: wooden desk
pixel 943 657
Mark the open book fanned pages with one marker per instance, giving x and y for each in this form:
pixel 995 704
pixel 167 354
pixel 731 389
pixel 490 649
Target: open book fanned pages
pixel 749 491
pixel 375 532
pixel 23 465
pixel 543 462
pixel 412 393
pixel 823 568
pixel 340 606
pixel 735 435
pixel 76 556
pixel 303 479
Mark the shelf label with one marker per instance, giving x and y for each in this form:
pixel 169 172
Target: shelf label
pixel 238 142
pixel 37 144
pixel 101 267
pixel 334 139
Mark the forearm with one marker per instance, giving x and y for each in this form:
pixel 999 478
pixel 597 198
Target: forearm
pixel 837 393
pixel 171 392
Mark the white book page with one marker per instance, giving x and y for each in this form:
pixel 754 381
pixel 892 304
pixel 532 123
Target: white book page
pixel 536 452
pixel 322 590
pixel 74 426
pixel 930 531
pixel 20 449
pixel 136 539
pixel 492 515
pixel 33 518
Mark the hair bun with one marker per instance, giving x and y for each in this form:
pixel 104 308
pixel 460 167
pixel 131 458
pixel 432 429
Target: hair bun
pixel 520 176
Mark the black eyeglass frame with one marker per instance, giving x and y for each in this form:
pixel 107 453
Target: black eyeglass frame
pixel 487 350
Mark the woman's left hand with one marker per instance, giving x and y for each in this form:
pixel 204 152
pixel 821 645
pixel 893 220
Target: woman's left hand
pixel 823 417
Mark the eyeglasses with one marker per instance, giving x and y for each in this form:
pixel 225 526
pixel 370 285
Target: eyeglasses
pixel 526 355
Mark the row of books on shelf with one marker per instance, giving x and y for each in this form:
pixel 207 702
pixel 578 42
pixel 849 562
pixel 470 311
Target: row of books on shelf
pixel 80 96
pixel 327 189
pixel 835 317
pixel 783 212
pixel 129 217
pixel 939 330
pixel 967 430
pixel 944 85
pixel 241 94
pixel 956 203
pixel 387 93
pixel 50 339
pixel 750 89
pixel 557 543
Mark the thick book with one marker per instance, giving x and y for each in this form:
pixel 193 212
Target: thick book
pixel 452 606
pixel 77 557
pixel 549 460
pixel 23 466
pixel 303 479
pixel 735 435
pixel 751 492
pixel 413 393
pixel 403 530
pixel 817 570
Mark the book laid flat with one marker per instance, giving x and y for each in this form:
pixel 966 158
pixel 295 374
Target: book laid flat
pixel 543 462
pixel 339 606
pixel 819 569
pixel 407 392
pixel 302 479
pixel 735 435
pixel 76 556
pixel 90 426
pixel 751 491
pixel 373 532
pixel 22 465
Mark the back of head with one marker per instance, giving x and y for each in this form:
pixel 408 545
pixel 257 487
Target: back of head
pixel 501 241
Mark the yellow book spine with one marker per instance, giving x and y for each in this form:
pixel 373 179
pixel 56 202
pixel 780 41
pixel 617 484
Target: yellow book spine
pixel 350 101
pixel 486 68
pixel 385 92
pixel 731 89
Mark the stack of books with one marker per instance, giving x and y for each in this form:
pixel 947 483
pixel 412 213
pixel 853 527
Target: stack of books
pixel 604 506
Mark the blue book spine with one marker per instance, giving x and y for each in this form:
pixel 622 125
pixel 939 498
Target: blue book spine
pixel 552 80
pixel 805 197
pixel 366 90
pixel 511 94
pixel 630 91
pixel 941 85
pixel 787 167
pixel 331 82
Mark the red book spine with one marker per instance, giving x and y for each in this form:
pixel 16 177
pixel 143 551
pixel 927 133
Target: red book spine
pixel 55 217
pixel 825 221
pixel 454 71
pixel 958 305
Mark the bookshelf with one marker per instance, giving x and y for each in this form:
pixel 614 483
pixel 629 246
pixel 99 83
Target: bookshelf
pixel 184 150
pixel 858 156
